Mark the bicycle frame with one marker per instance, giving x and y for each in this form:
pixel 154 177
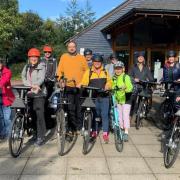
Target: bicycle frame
pixel 115 119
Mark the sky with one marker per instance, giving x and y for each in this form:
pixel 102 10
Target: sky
pixel 54 8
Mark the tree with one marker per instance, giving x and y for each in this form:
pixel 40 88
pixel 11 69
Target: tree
pixel 9 22
pixel 88 14
pixel 76 18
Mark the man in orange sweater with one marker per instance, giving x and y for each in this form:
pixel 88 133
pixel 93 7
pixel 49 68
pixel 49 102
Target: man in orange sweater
pixel 73 66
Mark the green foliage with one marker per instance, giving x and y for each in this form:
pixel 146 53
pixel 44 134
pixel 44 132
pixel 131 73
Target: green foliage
pixel 16 69
pixel 9 22
pixel 21 31
pixel 76 18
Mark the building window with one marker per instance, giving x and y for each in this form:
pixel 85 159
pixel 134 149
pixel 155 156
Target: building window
pixel 122 39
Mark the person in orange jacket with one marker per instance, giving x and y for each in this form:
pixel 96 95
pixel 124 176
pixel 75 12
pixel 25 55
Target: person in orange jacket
pixel 72 66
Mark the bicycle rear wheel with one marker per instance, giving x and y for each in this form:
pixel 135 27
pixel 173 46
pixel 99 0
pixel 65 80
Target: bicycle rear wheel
pixel 16 135
pixel 118 138
pixel 139 115
pixel 172 146
pixel 87 133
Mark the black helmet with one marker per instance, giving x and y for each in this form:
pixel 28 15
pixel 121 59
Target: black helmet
pixel 140 53
pixel 171 53
pixel 87 52
pixel 113 56
pixel 97 58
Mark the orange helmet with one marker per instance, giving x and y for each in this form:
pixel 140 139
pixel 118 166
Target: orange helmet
pixel 33 52
pixel 47 48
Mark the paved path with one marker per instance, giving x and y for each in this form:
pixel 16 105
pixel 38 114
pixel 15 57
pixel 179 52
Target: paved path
pixel 141 159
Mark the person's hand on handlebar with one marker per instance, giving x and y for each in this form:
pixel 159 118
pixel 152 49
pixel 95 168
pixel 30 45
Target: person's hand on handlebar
pixel 178 99
pixel 136 80
pixel 62 83
pixel 35 88
pixel 107 87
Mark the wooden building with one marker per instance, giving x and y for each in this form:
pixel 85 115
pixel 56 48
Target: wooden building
pixel 149 25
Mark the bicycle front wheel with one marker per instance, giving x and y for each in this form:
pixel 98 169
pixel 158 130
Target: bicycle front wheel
pixel 61 131
pixel 172 146
pixel 87 133
pixel 118 138
pixel 166 113
pixel 16 135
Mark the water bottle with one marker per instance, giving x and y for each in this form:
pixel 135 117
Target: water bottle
pixel 54 101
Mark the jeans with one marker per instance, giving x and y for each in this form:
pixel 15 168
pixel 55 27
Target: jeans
pixel 102 111
pixel 5 116
pixel 1 121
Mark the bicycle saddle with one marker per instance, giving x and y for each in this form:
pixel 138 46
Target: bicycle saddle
pixel 21 87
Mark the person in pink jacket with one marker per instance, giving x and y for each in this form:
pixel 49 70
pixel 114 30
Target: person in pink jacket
pixel 6 99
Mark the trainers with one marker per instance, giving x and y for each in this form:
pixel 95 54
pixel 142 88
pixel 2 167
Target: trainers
pixel 94 134
pixel 39 142
pixel 106 137
pixel 125 137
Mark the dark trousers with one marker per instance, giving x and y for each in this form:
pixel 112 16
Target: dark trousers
pixel 50 122
pixel 74 108
pixel 38 108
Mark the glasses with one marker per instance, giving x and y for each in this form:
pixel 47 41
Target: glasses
pixel 47 52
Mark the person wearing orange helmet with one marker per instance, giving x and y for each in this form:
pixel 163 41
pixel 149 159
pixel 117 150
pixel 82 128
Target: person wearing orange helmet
pixel 33 75
pixel 51 65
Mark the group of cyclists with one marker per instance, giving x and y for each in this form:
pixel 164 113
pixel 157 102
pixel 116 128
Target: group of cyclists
pixel 79 71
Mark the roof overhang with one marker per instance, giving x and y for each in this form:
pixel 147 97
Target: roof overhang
pixel 134 14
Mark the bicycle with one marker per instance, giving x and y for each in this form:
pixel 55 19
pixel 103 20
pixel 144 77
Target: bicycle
pixel 144 99
pixel 21 122
pixel 172 143
pixel 118 133
pixel 89 106
pixel 59 102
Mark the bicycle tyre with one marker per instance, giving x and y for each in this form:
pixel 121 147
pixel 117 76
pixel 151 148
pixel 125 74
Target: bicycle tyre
pixel 168 150
pixel 16 134
pixel 87 133
pixel 138 116
pixel 61 131
pixel 166 112
pixel 119 142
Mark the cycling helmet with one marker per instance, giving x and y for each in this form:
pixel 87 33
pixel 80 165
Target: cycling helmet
pixel 171 53
pixel 97 58
pixel 87 52
pixel 119 64
pixel 113 56
pixel 47 48
pixel 33 52
pixel 140 53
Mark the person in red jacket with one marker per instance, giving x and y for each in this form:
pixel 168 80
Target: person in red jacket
pixel 6 99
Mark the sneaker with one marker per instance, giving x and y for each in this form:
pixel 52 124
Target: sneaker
pixel 94 134
pixel 106 137
pixel 39 142
pixel 125 137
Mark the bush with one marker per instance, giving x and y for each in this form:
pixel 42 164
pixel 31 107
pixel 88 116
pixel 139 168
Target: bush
pixel 16 70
